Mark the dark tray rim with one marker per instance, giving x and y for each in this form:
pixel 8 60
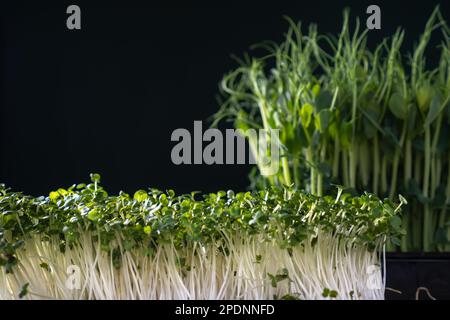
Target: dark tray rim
pixel 418 256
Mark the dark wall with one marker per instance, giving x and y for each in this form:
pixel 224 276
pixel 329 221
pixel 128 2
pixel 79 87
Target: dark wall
pixel 106 98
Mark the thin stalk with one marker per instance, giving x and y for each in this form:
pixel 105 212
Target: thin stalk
pixel 310 159
pixel 443 216
pixel 418 167
pixel 320 174
pixel 296 165
pixel 435 177
pixel 384 186
pixel 376 164
pixel 286 171
pixel 353 146
pixel 396 162
pixel 336 154
pixel 407 173
pixel 345 168
pixel 364 155
pixel 407 211
pixel 352 156
pixel 427 222
pixel 417 213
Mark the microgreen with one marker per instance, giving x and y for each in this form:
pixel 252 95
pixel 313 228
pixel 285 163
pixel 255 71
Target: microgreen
pixel 375 120
pixel 161 246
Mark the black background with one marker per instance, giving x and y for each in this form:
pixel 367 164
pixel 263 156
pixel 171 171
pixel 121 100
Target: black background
pixel 165 309
pixel 106 98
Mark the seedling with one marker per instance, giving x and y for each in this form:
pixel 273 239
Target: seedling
pixel 156 245
pixel 373 120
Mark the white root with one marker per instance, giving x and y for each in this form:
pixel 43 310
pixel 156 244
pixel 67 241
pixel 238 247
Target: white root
pixel 196 271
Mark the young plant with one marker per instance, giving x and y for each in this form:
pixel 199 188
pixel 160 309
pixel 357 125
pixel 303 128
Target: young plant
pixel 365 119
pixel 81 243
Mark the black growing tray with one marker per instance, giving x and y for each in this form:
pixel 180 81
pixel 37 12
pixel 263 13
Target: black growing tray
pixel 406 272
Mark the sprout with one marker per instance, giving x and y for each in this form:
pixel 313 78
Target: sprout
pixel 374 120
pixel 254 245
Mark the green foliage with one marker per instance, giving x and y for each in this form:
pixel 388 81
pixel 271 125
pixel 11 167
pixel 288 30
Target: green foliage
pixel 375 120
pixel 327 293
pixel 280 214
pixel 24 291
pixel 275 279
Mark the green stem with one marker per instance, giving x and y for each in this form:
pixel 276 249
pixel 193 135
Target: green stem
pixel 427 223
pixel 384 186
pixel 345 168
pixel 352 166
pixel 253 143
pixel 417 167
pixel 407 174
pixel 435 169
pixel 418 208
pixel 407 221
pixel 434 166
pixel 309 157
pixel 337 150
pixel 364 155
pixel 376 165
pixel 394 174
pixel 396 162
pixel 296 164
pixel 320 173
pixel 286 171
pixel 353 152
pixel 444 212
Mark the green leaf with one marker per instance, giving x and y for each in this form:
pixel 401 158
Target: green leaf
pixel 376 212
pixel 423 96
pixel 316 90
pixel 322 120
pixel 395 222
pixel 93 215
pixel 24 290
pixel 346 134
pixel 242 121
pixel 398 106
pixel 333 129
pixel 371 113
pixel 128 245
pixel 435 110
pixel 95 177
pixel 273 280
pixel 221 194
pixel 54 195
pixel 140 195
pixel 289 297
pixel 306 114
pixel 45 266
pixel 147 230
pixel 323 100
pixel 171 193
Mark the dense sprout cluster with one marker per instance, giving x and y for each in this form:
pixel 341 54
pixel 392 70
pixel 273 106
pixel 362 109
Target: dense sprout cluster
pixel 151 218
pixel 372 120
